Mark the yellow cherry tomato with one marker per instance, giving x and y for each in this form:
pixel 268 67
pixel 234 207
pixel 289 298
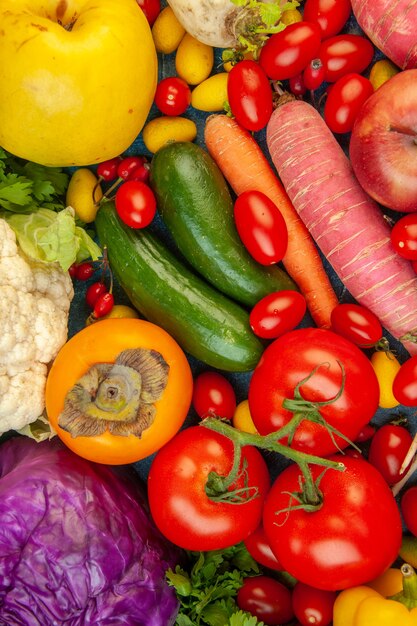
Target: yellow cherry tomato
pixel 291 16
pixel 164 129
pixel 84 194
pixel 167 31
pixel 242 419
pixel 382 71
pixel 211 94
pixel 388 583
pixel 193 60
pixel 386 366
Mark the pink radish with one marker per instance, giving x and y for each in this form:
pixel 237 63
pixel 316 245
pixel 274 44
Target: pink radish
pixel 347 225
pixel 391 26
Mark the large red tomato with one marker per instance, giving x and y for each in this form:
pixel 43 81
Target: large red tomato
pixel 315 356
pixel 179 502
pixel 352 537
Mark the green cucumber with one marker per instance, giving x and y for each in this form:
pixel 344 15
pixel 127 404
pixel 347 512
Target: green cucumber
pixel 196 206
pixel 206 324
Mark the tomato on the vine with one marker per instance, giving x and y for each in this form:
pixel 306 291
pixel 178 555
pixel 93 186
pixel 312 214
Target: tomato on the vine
pixel 352 534
pixel 404 386
pixel 93 292
pixel 344 100
pixel 258 547
pixel 249 95
pixel 322 367
pixel 84 271
pixel 178 490
pixel 357 323
pixel 404 236
pixel 261 227
pixel 312 605
pixel 135 203
pixel 330 15
pixel 277 313
pixel 103 305
pixel 266 598
pixel 344 54
pixel 388 449
pixel 172 96
pixel 213 394
pixel 287 53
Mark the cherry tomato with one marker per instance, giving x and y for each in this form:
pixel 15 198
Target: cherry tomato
pixel 352 535
pixel 344 54
pixel 242 419
pixel 408 506
pixel 249 94
pixel 258 547
pixel 107 170
pixel 330 15
pixel 344 101
pixel 312 605
pixel 277 313
pixel 135 204
pixel 73 270
pixel 213 395
pixel 287 53
pixel 366 433
pixel 128 165
pixel 386 366
pixel 172 96
pixel 151 9
pixel 93 292
pixel 267 599
pixel 296 85
pixel 404 386
pixel 388 449
pixel 357 323
pixel 177 490
pixel 313 75
pixel 314 357
pixel 103 305
pixel 404 236
pixel 84 271
pixel 261 227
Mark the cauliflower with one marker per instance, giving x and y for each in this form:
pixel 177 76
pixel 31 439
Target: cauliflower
pixel 35 298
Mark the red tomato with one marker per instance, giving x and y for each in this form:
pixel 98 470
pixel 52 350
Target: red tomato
pixel 404 236
pixel 313 75
pixel 312 605
pixel 287 53
pixel 213 394
pixel 408 506
pixel 258 547
pixel 356 323
pixel 135 204
pixel 344 101
pixel 128 166
pixel 330 15
pixel 151 9
pixel 389 446
pixel 344 54
pixel 250 95
pixel 267 599
pixel 352 536
pixel 93 292
pixel 277 313
pixel 296 85
pixel 404 386
pixel 313 357
pixel 261 227
pixel 178 500
pixel 172 96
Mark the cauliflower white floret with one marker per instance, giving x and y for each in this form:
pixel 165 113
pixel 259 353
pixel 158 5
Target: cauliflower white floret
pixel 34 305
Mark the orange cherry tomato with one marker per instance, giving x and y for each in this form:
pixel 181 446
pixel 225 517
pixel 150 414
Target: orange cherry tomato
pixel 102 343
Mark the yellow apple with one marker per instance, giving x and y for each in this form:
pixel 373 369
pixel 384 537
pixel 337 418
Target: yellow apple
pixel 77 78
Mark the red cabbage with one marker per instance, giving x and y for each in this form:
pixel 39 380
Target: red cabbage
pixel 77 544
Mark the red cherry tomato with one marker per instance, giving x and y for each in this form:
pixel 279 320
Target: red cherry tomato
pixel 366 433
pixel 261 227
pixel 84 271
pixel 287 53
pixel 213 394
pixel 388 449
pixel 73 270
pixel 107 170
pixel 277 313
pixel 128 165
pixel 172 96
pixel 258 547
pixel 404 236
pixel 267 599
pixel 344 54
pixel 103 304
pixel 344 100
pixel 404 386
pixel 296 85
pixel 250 95
pixel 135 204
pixel 312 605
pixel 93 292
pixel 408 506
pixel 313 75
pixel 356 323
pixel 151 9
pixel 330 15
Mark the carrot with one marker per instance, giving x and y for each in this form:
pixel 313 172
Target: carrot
pixel 246 168
pixel 347 225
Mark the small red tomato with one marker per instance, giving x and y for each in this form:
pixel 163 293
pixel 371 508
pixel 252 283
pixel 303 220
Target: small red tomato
pixel 107 170
pixel 313 606
pixel 84 271
pixel 388 449
pixel 296 85
pixel 93 292
pixel 250 95
pixel 344 54
pixel 73 270
pixel 287 53
pixel 408 505
pixel 135 204
pixel 366 433
pixel 128 165
pixel 267 599
pixel 172 96
pixel 330 15
pixel 313 75
pixel 213 394
pixel 357 323
pixel 151 9
pixel 404 386
pixel 344 101
pixel 277 313
pixel 404 236
pixel 261 227
pixel 103 304
pixel 258 547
